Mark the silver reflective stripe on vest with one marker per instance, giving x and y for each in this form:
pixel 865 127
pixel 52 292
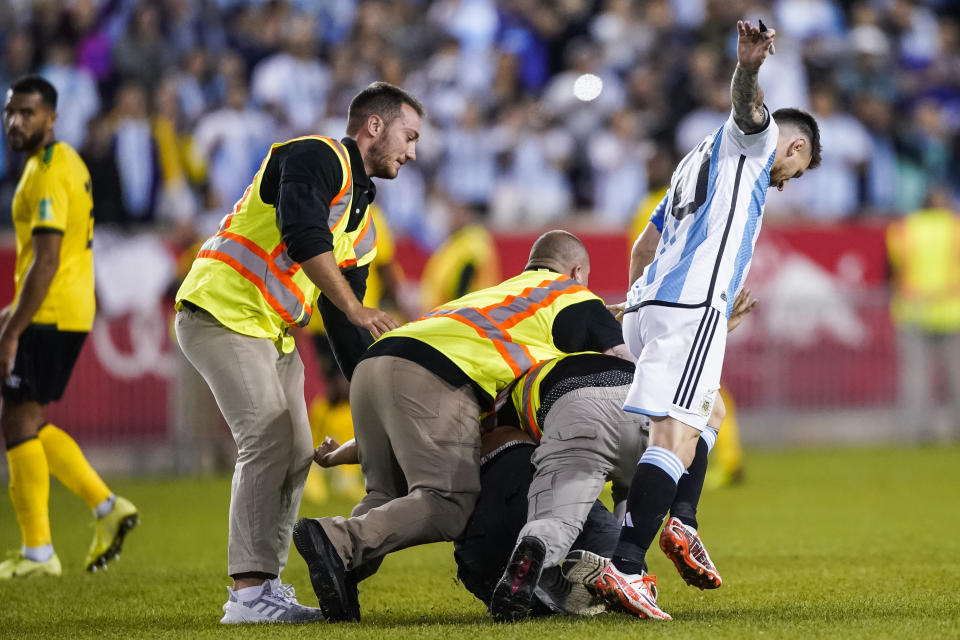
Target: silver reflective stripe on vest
pixel 339 209
pixel 260 269
pixel 495 333
pixel 538 295
pixel 503 312
pixel 367 242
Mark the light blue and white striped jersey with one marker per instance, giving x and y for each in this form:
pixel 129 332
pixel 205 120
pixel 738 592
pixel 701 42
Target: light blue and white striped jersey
pixel 709 221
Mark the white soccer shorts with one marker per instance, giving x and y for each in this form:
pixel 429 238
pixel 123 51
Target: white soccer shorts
pixel 679 355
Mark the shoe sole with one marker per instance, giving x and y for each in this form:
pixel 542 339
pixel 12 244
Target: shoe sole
pixel 584 570
pixel 677 549
pixel 331 592
pixel 513 595
pixel 113 551
pixel 607 587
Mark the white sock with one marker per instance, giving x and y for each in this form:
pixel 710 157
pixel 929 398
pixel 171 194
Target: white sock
pixel 37 554
pixel 248 593
pixel 105 507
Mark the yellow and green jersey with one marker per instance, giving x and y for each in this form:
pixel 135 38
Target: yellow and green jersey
pixel 53 196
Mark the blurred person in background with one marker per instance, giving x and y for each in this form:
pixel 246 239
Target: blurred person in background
pixel 181 166
pixel 924 253
pixel 834 194
pixel 301 231
pixel 925 156
pixel 75 86
pixel 465 262
pixel 880 180
pixel 618 160
pixel 141 54
pixel 135 153
pixel 231 141
pixel 293 85
pixel 98 155
pixel 536 189
pixel 42 332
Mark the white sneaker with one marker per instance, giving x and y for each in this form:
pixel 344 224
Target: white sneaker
pixel 275 603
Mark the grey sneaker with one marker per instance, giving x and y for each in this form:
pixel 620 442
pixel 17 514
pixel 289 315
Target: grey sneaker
pixel 275 603
pixel 568 597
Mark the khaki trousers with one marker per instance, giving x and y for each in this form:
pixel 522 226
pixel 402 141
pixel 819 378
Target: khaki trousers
pixel 587 439
pixel 419 443
pixel 260 393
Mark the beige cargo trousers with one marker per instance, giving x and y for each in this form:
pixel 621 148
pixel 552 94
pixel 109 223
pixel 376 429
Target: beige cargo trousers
pixel 260 392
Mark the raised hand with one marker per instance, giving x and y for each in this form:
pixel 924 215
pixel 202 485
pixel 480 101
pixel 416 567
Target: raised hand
pixel 753 45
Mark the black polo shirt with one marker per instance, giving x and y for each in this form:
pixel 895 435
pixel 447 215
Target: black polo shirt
pixel 300 180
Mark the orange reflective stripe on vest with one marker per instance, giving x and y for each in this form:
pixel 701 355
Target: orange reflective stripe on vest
pixel 340 205
pixel 494 321
pixel 270 274
pixel 528 415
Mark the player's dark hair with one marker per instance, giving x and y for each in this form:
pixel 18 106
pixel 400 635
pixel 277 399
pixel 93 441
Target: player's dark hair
pixel 36 84
pixel 382 99
pixel 806 125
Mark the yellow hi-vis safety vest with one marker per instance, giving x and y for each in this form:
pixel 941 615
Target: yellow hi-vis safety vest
pixel 496 334
pixel 243 275
pixel 526 397
pixel 924 251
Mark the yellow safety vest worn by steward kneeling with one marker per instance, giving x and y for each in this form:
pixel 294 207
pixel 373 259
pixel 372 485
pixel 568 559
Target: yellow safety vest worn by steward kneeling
pixel 496 334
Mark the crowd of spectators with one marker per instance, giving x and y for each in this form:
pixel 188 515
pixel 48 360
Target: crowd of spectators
pixel 538 110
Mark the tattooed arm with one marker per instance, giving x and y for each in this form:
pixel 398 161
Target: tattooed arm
pixel 752 49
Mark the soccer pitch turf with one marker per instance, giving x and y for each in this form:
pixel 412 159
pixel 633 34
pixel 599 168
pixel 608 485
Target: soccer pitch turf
pixel 815 544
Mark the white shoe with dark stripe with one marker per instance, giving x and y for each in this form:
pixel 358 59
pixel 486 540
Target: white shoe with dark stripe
pixel 275 603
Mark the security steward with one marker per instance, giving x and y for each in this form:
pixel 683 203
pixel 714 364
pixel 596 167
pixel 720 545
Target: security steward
pixel 302 227
pixel 417 397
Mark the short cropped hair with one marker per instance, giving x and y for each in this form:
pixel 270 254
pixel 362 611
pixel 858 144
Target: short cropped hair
pixel 382 99
pixel 558 248
pixel 806 125
pixel 36 84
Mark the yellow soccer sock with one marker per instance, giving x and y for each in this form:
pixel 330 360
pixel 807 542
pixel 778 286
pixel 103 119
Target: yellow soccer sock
pixel 69 466
pixel 30 491
pixel 726 459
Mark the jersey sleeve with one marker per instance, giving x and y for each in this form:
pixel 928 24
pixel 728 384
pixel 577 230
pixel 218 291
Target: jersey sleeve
pixel 52 202
pixel 586 326
pixel 656 218
pixel 761 143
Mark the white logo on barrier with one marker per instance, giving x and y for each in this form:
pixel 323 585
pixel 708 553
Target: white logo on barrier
pixel 149 330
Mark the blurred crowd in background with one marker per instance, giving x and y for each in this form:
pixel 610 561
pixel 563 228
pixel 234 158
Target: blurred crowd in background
pixel 540 111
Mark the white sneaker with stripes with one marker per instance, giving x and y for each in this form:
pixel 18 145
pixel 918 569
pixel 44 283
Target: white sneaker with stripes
pixel 275 603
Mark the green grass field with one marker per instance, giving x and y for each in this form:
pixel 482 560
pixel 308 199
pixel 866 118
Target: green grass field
pixel 840 544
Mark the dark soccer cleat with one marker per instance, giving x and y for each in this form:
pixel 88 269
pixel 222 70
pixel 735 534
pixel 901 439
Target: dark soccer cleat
pixel 683 546
pixel 336 591
pixel 513 595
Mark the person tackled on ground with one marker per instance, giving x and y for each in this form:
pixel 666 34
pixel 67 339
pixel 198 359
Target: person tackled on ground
pixel 417 397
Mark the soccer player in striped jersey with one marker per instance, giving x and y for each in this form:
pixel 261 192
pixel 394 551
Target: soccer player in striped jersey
pixel 711 218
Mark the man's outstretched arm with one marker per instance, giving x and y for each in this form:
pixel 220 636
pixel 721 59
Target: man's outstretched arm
pixel 753 47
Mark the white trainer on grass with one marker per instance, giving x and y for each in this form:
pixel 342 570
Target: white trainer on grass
pixel 275 603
